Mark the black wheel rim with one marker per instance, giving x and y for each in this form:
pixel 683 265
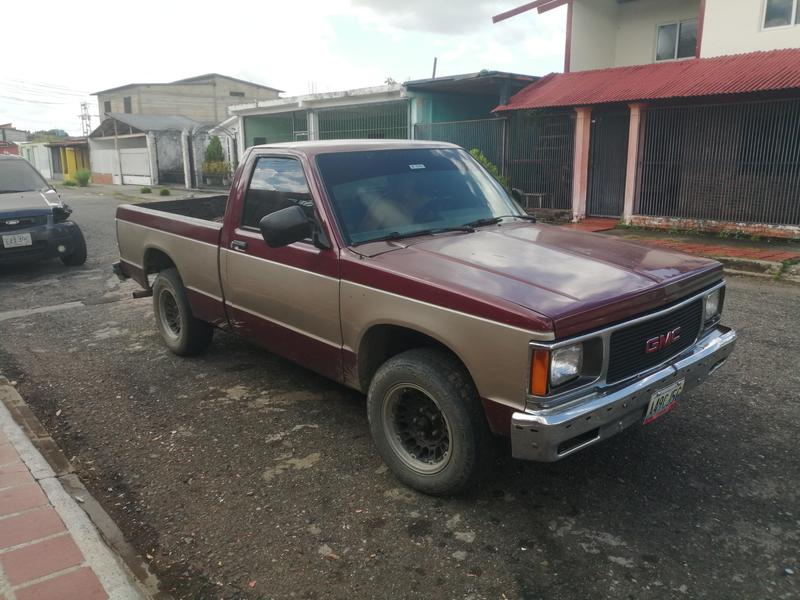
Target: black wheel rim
pixel 170 314
pixel 417 429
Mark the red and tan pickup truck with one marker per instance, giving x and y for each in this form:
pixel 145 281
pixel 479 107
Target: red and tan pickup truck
pixel 404 270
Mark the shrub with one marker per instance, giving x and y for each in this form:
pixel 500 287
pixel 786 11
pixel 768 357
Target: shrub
pixel 145 190
pixel 69 183
pixel 489 166
pixel 216 168
pixel 164 192
pixel 214 151
pixel 83 177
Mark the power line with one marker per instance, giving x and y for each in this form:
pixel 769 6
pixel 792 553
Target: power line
pixel 50 86
pixel 29 101
pixel 35 92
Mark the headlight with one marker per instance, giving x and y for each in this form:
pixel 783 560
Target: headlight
pixel 565 364
pixel 713 304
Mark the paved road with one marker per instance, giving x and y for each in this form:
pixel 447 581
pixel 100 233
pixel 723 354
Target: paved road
pixel 243 476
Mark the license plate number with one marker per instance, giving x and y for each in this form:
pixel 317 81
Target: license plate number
pixel 15 241
pixel 663 401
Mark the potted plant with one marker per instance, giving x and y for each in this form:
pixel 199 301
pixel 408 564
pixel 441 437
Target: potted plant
pixel 216 169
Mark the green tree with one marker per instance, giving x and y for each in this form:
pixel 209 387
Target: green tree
pixel 214 150
pixel 489 166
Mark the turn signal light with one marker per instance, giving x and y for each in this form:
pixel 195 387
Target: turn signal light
pixel 540 367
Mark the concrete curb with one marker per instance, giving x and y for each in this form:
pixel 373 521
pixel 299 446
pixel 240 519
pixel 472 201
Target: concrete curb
pixel 61 487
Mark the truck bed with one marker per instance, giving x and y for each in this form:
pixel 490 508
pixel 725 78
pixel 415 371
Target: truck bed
pixel 209 208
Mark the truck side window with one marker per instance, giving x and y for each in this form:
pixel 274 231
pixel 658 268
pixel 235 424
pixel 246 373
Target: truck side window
pixel 276 183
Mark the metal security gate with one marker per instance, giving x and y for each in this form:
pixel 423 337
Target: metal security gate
pixel 487 135
pixel 608 159
pixel 540 157
pixel 725 162
pixel 380 121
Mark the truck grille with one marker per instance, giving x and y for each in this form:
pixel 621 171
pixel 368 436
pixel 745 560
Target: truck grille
pixel 627 354
pixel 12 223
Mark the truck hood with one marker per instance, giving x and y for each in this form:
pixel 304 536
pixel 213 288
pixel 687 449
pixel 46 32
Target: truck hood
pixel 28 204
pixel 580 281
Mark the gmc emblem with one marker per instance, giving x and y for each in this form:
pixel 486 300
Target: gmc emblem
pixel 662 341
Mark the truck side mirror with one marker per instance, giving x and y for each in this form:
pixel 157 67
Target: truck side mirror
pixel 517 194
pixel 285 226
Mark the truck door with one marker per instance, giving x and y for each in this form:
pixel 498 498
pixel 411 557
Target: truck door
pixel 284 299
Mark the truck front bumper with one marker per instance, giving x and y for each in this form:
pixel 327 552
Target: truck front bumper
pixel 551 434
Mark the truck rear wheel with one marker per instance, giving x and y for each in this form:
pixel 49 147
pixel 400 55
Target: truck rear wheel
pixel 428 423
pixel 182 333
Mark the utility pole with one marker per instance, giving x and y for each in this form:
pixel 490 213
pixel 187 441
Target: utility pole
pixel 86 119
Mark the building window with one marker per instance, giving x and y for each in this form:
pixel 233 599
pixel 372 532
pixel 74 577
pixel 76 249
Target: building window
pixel 126 104
pixel 780 13
pixel 237 94
pixel 258 141
pixel 107 106
pixel 677 40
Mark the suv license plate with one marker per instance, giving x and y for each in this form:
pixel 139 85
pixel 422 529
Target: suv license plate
pixel 663 401
pixel 15 241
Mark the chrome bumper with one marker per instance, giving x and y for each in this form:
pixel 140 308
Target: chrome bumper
pixel 551 434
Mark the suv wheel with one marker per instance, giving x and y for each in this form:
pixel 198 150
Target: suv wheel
pixel 181 331
pixel 428 423
pixel 77 254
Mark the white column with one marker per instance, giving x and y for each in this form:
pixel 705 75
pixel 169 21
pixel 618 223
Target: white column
pixel 152 154
pixel 185 151
pixel 580 164
pixel 634 131
pixel 313 125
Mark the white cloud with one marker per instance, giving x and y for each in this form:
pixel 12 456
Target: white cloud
pixel 334 44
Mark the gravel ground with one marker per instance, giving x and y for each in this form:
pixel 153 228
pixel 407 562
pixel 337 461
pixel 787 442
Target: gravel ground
pixel 240 475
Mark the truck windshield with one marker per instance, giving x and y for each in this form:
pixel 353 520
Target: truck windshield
pixel 19 176
pixel 380 194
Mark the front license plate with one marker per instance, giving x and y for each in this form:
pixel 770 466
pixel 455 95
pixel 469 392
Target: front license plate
pixel 663 401
pixel 15 241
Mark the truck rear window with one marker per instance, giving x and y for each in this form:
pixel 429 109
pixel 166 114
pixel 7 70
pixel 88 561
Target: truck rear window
pixel 381 192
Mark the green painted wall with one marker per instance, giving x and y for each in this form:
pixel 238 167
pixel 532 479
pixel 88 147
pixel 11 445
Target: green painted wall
pixel 436 107
pixel 273 128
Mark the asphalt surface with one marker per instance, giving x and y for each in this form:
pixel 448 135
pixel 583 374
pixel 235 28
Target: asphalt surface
pixel 240 475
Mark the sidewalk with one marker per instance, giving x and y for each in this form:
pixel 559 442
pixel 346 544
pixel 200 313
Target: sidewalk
pixel 777 259
pixel 49 549
pixel 132 193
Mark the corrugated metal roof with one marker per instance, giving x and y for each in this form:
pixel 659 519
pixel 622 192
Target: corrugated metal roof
pixel 735 74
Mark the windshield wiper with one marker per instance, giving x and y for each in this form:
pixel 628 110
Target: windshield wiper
pixel 495 220
pixel 396 235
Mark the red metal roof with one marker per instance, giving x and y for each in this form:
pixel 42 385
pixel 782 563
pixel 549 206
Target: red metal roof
pixel 735 74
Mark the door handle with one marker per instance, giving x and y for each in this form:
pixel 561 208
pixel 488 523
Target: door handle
pixel 239 245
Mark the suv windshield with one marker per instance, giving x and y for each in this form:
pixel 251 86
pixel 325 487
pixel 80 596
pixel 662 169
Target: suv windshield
pixel 382 194
pixel 19 176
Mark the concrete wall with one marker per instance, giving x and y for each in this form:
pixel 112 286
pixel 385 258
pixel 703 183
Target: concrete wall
pixel 745 18
pixel 169 156
pixel 13 135
pixel 638 26
pixel 594 34
pixel 206 102
pixel 608 34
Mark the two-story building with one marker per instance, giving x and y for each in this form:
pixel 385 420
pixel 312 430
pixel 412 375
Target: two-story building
pixel 155 133
pixel 204 98
pixel 679 114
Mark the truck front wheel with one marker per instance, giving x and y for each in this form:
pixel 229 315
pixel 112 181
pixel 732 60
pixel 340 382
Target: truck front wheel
pixel 427 421
pixel 182 333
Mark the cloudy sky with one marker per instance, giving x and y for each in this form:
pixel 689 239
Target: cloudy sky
pixel 60 55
